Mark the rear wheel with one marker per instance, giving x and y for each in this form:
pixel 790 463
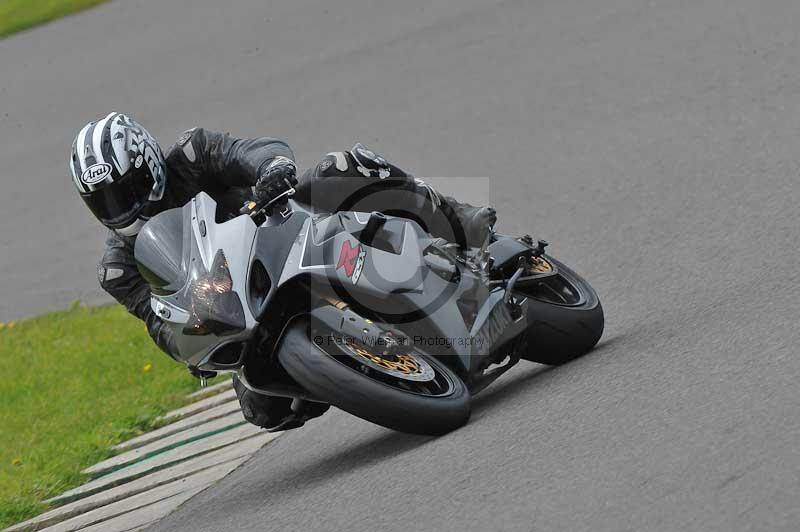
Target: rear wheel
pixel 407 390
pixel 567 317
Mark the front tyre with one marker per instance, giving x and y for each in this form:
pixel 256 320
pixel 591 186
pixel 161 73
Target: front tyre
pixel 413 392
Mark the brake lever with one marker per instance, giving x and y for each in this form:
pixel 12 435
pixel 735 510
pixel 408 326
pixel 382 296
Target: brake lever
pixel 250 207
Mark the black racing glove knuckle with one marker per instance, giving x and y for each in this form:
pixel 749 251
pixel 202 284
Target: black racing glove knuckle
pixel 278 177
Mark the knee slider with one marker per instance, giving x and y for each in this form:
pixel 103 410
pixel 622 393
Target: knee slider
pixel 334 163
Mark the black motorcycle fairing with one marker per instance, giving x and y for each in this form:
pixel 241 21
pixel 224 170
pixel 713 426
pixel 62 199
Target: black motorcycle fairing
pixel 494 324
pixel 272 246
pixel 327 227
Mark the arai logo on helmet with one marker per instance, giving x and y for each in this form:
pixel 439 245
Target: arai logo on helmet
pixel 96 173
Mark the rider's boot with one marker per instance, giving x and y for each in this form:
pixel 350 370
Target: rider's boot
pixel 475 222
pixel 275 413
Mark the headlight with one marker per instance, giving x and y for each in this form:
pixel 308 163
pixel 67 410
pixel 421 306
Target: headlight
pixel 215 307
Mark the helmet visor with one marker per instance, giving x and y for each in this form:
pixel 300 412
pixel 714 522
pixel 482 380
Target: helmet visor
pixel 119 203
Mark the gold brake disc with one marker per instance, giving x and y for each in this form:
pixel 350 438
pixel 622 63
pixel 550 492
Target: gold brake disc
pixel 404 363
pixel 405 366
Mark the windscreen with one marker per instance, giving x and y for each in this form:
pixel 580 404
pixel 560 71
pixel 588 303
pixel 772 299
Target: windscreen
pixel 159 252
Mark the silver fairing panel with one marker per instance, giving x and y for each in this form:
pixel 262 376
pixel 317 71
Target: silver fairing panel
pixel 205 238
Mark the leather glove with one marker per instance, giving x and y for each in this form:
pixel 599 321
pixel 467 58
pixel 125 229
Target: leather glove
pixel 279 176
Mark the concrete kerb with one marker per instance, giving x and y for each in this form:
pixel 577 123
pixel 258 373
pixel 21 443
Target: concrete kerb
pixel 160 470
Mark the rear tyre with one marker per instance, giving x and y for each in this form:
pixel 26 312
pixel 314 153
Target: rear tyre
pixel 335 372
pixel 567 317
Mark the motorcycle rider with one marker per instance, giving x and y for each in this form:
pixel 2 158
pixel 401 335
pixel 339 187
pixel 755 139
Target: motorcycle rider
pixel 124 178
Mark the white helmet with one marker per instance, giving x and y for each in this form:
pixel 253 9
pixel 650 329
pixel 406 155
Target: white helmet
pixel 118 168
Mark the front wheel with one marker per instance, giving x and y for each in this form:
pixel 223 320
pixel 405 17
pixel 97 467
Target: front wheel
pixel 408 391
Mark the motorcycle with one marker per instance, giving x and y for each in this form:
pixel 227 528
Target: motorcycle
pixel 364 311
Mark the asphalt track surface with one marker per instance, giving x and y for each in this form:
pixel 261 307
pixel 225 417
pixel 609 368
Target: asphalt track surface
pixel 655 144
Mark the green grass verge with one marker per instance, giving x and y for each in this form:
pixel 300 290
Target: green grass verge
pixel 17 15
pixel 72 384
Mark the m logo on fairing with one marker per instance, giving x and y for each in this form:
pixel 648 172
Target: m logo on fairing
pixel 494 327
pixel 352 260
pixel 96 173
